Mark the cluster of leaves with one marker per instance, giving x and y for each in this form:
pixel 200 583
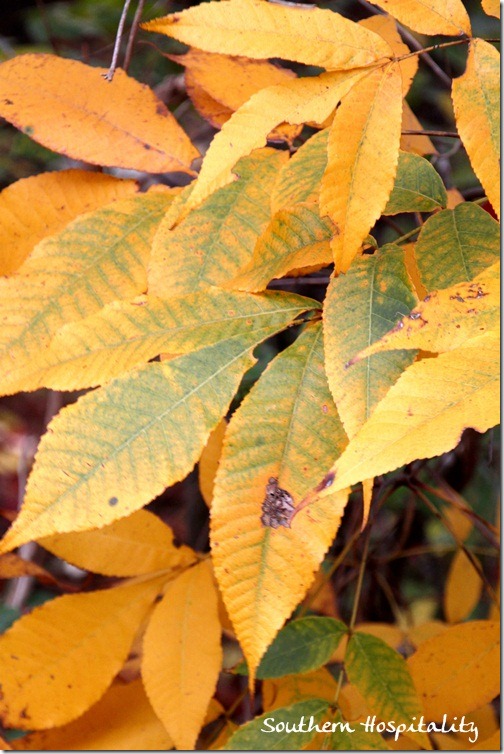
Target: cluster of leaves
pixel 158 300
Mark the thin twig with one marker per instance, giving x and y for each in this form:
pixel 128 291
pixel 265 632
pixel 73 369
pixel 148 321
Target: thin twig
pixel 132 35
pixel 423 132
pixel 120 28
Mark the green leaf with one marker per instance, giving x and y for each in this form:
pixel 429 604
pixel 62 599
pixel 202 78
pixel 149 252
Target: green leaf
pixel 295 238
pixel 118 447
pixel 299 179
pixel 417 188
pixel 360 307
pixel 125 334
pixel 286 728
pixel 217 239
pixel 97 258
pixel 382 677
pixel 303 645
pixel 455 245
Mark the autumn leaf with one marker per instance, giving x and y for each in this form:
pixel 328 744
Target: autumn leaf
pixel 120 123
pixel 476 102
pixel 12 566
pixel 359 307
pixel 258 30
pixel 299 178
pixel 386 27
pixel 209 461
pixel 218 238
pixel 263 572
pixel 136 436
pixel 106 727
pixel 430 16
pixel 97 258
pixel 363 150
pixel 463 588
pixel 446 319
pixel 51 675
pixel 417 187
pixel 183 655
pixel 39 206
pixel 414 143
pixel 425 412
pixel 491 8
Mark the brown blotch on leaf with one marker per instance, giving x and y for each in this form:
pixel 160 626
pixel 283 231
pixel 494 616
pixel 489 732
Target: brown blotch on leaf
pixel 278 506
pixel 113 501
pixel 326 482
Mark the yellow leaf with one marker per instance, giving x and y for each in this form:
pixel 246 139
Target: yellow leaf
pixel 386 27
pixel 359 306
pixel 42 205
pixel 425 413
pixel 367 497
pixel 120 123
pixel 263 572
pixel 416 143
pixel 140 543
pixel 123 720
pixel 136 436
pixel 209 461
pixel 457 671
pixel 59 660
pixel 446 319
pixel 297 101
pixel 97 258
pixel 363 152
pixel 218 238
pixel 476 102
pixel 125 334
pixel 12 567
pixel 423 631
pixel 454 198
pixel 463 588
pixel 282 692
pixel 262 30
pixel 295 238
pixel 182 654
pixel 491 7
pixel 429 16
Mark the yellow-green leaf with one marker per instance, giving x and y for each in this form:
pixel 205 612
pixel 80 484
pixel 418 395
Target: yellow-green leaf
pixel 259 30
pixel 97 258
pixel 446 319
pixel 417 187
pixel 126 334
pixel 218 238
pixel 134 437
pixel 295 238
pixel 298 101
pixel 39 206
pixel 363 151
pixel 140 543
pixel 285 428
pixel 120 123
pixel 359 307
pixel 455 245
pixel 463 588
pixel 425 412
pixel 59 660
pixel 429 16
pixel 476 102
pixel 457 671
pixel 183 655
pixel 382 677
pixel 299 179
pixel 123 720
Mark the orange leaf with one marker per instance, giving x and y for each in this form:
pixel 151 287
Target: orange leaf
pixel 429 16
pixel 463 588
pixel 209 461
pixel 119 123
pixel 182 654
pixel 42 205
pixel 416 143
pixel 13 567
pixel 476 102
pixel 386 27
pixel 363 152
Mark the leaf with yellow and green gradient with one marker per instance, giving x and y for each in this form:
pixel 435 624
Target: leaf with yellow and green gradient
pixel 425 412
pixel 296 238
pixel 182 654
pixel 97 258
pixel 60 659
pixel 446 319
pixel 299 179
pixel 476 103
pixel 360 307
pixel 363 151
pixel 287 427
pixel 218 238
pixel 125 334
pixel 265 30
